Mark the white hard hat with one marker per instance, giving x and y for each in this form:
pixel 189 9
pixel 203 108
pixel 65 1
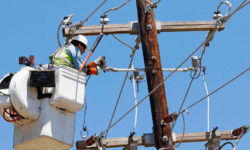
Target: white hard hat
pixel 81 39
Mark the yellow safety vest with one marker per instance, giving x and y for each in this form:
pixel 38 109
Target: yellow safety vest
pixel 61 57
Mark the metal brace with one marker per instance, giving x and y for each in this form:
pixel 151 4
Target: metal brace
pixel 134 26
pixel 214 142
pixel 132 144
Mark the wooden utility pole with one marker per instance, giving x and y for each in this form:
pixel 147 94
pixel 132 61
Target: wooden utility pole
pixel 153 67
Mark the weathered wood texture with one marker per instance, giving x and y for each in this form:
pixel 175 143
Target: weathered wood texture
pixel 153 67
pixel 188 137
pixel 127 29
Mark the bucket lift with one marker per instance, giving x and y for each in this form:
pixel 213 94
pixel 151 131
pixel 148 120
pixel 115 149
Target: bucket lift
pixel 42 103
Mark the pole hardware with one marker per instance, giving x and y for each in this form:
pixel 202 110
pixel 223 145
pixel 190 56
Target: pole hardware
pixel 104 20
pixel 195 62
pixel 154 71
pixel 163 123
pixel 132 144
pixel 164 139
pixel 170 118
pixel 214 142
pixel 153 58
pixel 134 26
pixel 149 27
pixel 150 7
pixel 217 14
pixel 240 131
pixel 67 20
pixel 229 7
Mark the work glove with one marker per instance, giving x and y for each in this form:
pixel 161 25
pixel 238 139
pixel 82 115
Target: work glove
pixel 101 62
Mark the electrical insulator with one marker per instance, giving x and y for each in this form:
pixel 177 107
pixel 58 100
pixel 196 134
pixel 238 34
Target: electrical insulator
pixel 170 118
pixel 217 15
pixel 90 141
pixel 67 20
pixel 195 61
pixel 239 131
pixel 104 20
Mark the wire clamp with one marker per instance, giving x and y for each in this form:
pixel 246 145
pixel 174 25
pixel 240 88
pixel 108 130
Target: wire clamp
pixel 186 110
pixel 150 7
pixel 149 27
pixel 170 118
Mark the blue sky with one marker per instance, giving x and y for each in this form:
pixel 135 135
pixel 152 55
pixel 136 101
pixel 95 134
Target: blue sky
pixel 29 27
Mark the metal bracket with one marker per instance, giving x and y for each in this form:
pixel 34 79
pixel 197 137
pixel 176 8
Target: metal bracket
pixel 134 26
pixel 214 142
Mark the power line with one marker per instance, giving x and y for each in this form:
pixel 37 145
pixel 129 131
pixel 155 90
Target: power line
pixel 184 99
pixel 115 8
pixel 122 42
pixel 118 99
pixel 209 37
pixel 215 90
pixel 208 102
pixel 124 81
pixel 110 126
pixel 85 20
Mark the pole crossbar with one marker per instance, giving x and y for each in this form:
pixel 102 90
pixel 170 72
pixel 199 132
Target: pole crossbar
pixel 132 28
pixel 147 140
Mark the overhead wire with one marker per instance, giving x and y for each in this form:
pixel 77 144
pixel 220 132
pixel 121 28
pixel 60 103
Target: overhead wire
pixel 208 102
pixel 118 99
pixel 81 22
pixel 115 8
pixel 202 44
pixel 207 39
pixel 216 90
pixel 210 35
pixel 184 99
pixel 124 81
pixel 226 143
pixel 183 131
pixel 135 100
pixel 242 5
pixel 58 37
pixel 122 42
pixel 182 63
pixel 94 11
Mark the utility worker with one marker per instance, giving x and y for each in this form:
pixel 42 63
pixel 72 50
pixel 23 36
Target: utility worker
pixel 70 55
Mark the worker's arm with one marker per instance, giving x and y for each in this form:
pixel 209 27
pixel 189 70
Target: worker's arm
pixel 75 55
